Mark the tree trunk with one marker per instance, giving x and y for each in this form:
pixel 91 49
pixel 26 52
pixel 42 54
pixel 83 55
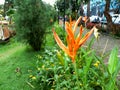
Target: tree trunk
pixel 80 11
pixel 110 25
pixel 88 9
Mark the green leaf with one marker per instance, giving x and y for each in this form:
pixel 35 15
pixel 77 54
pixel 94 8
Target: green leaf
pixel 60 57
pixel 91 43
pixel 86 68
pixel 113 60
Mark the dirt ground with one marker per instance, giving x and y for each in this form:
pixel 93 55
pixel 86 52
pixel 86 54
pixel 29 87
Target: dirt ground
pixel 106 43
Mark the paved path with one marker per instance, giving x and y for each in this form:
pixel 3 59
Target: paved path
pixel 104 40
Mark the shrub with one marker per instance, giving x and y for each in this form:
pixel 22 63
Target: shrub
pixel 54 70
pixel 31 21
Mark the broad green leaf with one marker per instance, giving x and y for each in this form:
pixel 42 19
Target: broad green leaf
pixel 113 60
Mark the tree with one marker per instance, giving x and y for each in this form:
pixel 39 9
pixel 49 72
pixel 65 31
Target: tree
pixel 111 26
pixel 62 5
pixel 31 20
pixel 88 8
pixel 1 10
pixel 71 7
pixel 8 5
pixel 81 2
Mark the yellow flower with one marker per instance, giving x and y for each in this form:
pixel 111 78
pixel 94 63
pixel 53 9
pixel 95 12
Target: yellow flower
pixel 31 76
pixel 34 78
pixel 52 64
pixel 53 82
pixel 43 66
pixel 60 63
pixel 47 68
pixel 64 88
pixel 81 84
pixel 58 53
pixel 60 75
pixel 38 69
pixel 39 56
pixel 73 72
pixel 96 64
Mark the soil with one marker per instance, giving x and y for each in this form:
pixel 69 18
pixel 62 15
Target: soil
pixel 106 43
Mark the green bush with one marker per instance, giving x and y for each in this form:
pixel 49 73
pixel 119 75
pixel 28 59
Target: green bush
pixel 31 21
pixel 61 32
pixel 55 70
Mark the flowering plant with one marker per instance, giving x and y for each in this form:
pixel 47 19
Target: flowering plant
pixel 87 70
pixel 73 42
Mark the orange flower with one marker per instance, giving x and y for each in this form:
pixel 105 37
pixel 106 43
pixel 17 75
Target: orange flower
pixel 73 42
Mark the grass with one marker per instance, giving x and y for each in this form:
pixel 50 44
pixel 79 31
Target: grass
pixel 16 62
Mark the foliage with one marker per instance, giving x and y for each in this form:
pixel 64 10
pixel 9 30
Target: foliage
pixel 9 4
pixel 69 7
pixel 113 68
pixel 56 71
pixel 61 32
pixel 61 6
pixel 31 19
pixel 1 10
pixel 51 13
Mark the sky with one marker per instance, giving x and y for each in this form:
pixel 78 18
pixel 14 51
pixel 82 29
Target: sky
pixel 2 1
pixel 51 2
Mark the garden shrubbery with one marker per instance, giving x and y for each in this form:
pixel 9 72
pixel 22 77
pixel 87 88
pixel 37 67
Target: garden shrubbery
pixel 31 20
pixel 55 70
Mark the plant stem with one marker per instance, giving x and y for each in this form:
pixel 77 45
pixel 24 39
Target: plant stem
pixel 76 73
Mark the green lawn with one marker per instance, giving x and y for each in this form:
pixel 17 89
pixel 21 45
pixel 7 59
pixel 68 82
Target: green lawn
pixel 16 62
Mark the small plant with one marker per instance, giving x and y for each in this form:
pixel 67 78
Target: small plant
pixel 113 69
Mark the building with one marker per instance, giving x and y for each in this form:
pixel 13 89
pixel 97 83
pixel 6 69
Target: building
pixel 97 7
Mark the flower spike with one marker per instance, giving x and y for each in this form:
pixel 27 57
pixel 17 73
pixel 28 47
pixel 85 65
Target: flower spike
pixel 73 43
